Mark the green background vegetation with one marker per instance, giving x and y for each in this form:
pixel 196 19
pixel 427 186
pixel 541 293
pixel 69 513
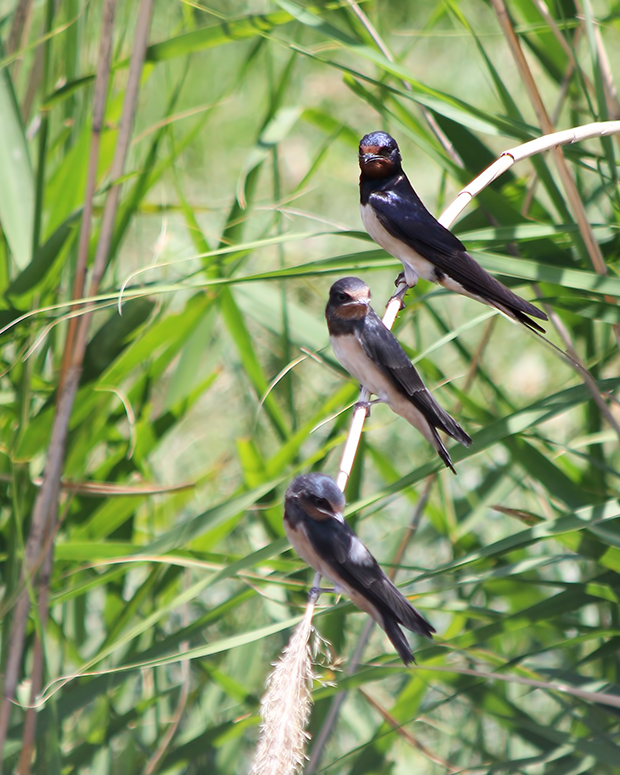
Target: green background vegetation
pixel 239 208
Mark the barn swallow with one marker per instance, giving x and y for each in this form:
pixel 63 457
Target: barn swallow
pixel 396 219
pixel 371 353
pixel 317 530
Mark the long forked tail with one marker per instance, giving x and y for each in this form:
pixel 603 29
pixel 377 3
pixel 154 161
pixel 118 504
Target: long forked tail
pixel 523 318
pixel 396 635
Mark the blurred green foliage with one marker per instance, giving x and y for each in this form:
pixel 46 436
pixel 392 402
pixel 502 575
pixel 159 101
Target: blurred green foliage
pixel 173 588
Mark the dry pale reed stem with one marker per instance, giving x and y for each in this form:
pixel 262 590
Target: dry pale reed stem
pixel 537 103
pixel 285 707
pixel 447 218
pixel 521 152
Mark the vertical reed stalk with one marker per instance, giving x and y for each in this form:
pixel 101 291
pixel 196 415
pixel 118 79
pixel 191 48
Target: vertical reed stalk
pixel 45 509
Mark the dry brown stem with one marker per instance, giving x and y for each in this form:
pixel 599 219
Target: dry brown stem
pixel 46 504
pixel 539 107
pixel 155 760
pixel 407 736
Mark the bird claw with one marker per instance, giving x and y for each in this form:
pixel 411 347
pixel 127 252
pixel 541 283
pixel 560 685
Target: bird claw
pixel 403 286
pixel 315 592
pixel 363 405
pixel 367 404
pixel 400 279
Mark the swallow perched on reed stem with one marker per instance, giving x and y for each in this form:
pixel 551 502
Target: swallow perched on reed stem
pixel 396 219
pixel 371 353
pixel 317 530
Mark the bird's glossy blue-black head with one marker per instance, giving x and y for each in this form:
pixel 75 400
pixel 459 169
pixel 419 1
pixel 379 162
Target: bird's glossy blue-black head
pixel 379 156
pixel 348 299
pixel 316 496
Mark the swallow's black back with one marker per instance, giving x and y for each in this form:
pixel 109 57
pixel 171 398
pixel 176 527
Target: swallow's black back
pixel 333 540
pixel 402 213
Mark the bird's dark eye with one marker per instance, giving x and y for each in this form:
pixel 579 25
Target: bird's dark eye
pixel 342 296
pixel 385 151
pixel 322 503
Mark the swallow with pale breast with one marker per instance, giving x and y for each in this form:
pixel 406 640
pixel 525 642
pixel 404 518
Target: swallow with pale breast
pixel 396 219
pixel 317 530
pixel 371 353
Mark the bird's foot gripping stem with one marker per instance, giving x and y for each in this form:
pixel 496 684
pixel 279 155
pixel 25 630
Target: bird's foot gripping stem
pixel 316 592
pixel 402 287
pixel 363 405
pixel 366 405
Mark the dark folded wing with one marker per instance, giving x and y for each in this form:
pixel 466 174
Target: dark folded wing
pixel 383 349
pixel 338 545
pixel 402 214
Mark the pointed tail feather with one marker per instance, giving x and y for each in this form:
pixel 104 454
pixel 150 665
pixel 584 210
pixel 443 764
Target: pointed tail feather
pixel 395 634
pixel 522 318
pixel 444 421
pixel 516 312
pixel 443 452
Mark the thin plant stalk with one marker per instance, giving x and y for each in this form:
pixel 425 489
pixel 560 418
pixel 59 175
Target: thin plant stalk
pixel 45 508
pixel 568 181
pixel 428 115
pixel 502 164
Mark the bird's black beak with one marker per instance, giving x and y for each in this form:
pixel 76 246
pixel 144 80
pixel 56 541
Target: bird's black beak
pixel 374 165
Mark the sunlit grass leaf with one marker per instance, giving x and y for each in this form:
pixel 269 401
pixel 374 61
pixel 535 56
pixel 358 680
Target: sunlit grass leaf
pixel 17 189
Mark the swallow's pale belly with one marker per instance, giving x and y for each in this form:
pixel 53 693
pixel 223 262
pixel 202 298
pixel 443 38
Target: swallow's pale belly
pixel 349 352
pixel 414 264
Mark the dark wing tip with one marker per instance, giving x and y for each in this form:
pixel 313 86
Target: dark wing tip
pixel 411 618
pixel 537 313
pixel 520 310
pixel 417 623
pixel 465 439
pixel 453 429
pixel 522 318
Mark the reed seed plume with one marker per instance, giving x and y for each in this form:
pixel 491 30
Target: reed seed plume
pixel 285 707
